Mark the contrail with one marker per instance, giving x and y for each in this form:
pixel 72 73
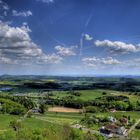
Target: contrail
pixel 59 42
pixel 81 44
pixel 56 40
pixel 88 20
pixel 82 35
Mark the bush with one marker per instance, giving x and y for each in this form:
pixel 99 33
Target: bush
pixel 138 126
pixel 120 105
pixel 104 93
pixel 91 109
pixel 10 107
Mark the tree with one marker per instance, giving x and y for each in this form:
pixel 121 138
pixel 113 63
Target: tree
pixel 70 133
pixel 120 105
pixel 42 108
pixel 91 109
pixel 104 93
pixel 132 106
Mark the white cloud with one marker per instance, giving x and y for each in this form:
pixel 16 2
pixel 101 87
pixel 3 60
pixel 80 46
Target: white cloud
pixel 23 14
pixel 65 51
pixel 16 47
pixel 132 63
pixel 94 61
pixel 25 24
pixel 4 9
pixel 87 37
pixel 51 58
pixel 46 1
pixel 117 46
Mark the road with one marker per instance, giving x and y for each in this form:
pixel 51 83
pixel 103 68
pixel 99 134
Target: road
pixel 132 127
pixel 3 130
pixel 87 129
pixel 78 126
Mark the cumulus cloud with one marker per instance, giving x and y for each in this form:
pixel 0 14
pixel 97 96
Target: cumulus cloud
pixel 16 47
pixel 94 61
pixel 117 46
pixel 63 51
pixel 22 14
pixel 46 1
pixel 87 37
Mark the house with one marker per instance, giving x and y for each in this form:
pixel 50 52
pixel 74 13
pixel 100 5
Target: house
pixel 113 128
pixel 121 131
pixel 35 110
pixel 77 126
pixel 112 119
pixel 113 110
pixel 124 121
pixel 106 132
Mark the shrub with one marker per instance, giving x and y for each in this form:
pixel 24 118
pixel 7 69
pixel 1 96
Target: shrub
pixel 91 109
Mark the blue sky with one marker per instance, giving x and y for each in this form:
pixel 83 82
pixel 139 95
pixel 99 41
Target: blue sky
pixel 70 37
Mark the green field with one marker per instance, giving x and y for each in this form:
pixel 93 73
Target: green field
pixel 135 134
pixel 28 123
pixel 61 118
pixel 5 120
pixel 85 94
pixel 56 120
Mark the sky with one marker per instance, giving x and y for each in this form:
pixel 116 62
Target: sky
pixel 70 37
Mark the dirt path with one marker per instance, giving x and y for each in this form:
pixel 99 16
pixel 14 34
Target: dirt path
pixel 132 127
pixel 3 130
pixel 87 129
pixel 75 126
pixel 43 119
pixel 23 117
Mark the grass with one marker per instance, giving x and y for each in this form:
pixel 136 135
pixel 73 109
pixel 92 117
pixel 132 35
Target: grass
pixel 132 97
pixel 33 123
pixel 93 94
pixel 85 94
pixel 132 114
pixel 28 123
pixel 61 118
pixel 5 120
pixel 55 120
pixel 135 134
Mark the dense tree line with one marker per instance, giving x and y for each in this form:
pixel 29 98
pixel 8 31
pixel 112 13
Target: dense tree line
pixel 11 107
pixel 104 103
pixel 25 101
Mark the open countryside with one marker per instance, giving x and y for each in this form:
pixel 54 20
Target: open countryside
pixel 69 69
pixel 97 112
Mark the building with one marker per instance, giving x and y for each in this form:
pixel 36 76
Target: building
pixel 112 119
pixel 124 121
pixel 35 110
pixel 113 128
pixel 105 132
pixel 113 110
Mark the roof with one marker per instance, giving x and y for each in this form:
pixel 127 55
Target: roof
pixel 124 120
pixel 111 126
